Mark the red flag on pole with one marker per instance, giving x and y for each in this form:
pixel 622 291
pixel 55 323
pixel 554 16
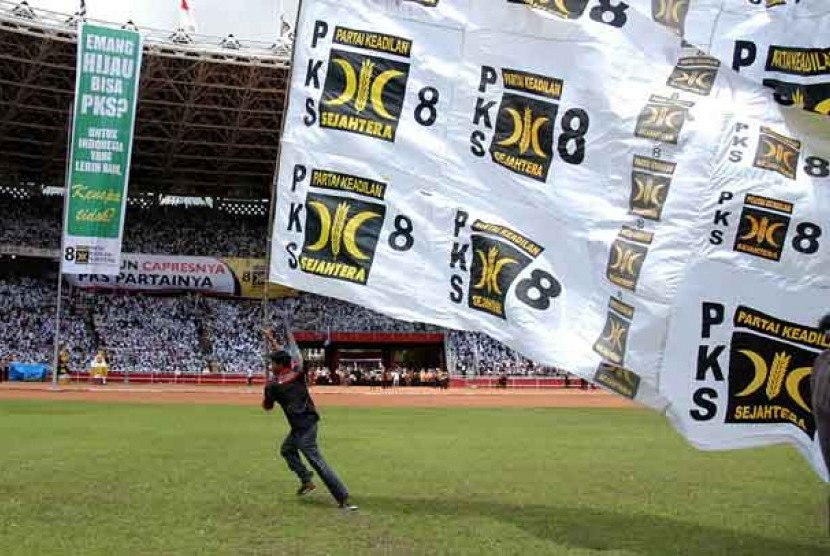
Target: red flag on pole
pixel 186 21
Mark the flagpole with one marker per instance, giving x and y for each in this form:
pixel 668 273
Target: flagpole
pixel 272 208
pixel 66 193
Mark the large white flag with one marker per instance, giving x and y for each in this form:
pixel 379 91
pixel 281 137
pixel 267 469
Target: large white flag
pixel 574 181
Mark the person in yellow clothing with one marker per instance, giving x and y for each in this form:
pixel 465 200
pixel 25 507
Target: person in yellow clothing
pixel 100 368
pixel 63 364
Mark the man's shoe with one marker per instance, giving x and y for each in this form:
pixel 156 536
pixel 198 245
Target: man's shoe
pixel 306 488
pixel 347 506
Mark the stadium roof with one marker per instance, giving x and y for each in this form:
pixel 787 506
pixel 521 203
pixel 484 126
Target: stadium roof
pixel 208 117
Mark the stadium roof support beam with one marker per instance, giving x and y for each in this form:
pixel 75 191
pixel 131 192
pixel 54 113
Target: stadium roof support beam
pixel 208 121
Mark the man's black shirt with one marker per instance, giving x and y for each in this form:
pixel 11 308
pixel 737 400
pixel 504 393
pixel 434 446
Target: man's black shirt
pixel 294 399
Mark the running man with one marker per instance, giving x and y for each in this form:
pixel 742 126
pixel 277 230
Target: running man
pixel 288 388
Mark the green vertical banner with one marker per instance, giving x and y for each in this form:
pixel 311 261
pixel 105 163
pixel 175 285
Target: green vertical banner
pixel 106 92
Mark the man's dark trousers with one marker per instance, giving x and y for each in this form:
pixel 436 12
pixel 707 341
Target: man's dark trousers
pixel 304 440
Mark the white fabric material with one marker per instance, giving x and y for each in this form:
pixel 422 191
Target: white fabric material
pixel 558 184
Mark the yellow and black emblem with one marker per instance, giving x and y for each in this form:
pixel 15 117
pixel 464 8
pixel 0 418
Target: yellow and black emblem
pixel 612 342
pixel 567 9
pixel 671 14
pixel 628 253
pixel 762 231
pixel 778 153
pixel 363 94
pixel 523 141
pixel 82 255
pixel 813 97
pixel 650 184
pixel 769 379
pixel 341 235
pixel 662 119
pixel 499 256
pixel 618 379
pixel 695 74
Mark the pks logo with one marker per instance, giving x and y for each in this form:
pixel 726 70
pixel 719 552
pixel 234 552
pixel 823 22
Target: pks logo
pixel 499 256
pixel 628 253
pixel 341 235
pixel 650 184
pixel 663 118
pixel 769 379
pixel 763 228
pixel 568 9
pixel 363 94
pixel 695 74
pixel 428 3
pixel 618 379
pixel 82 254
pixel 670 13
pixel 524 136
pixel 523 130
pixel 778 153
pixel 612 342
pixel 496 264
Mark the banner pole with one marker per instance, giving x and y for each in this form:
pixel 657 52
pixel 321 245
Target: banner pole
pixel 272 208
pixel 66 192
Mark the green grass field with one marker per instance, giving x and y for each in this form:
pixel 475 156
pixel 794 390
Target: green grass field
pixel 180 479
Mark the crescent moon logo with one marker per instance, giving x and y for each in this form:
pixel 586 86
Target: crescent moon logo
pixel 632 260
pixel 517 128
pixel 378 88
pixel 656 193
pixel 761 371
pixel 674 119
pixel 787 158
pixel 793 383
pixel 616 264
pixel 675 12
pixel 823 107
pixel 351 231
pixel 562 7
pixel 350 85
pixel 325 225
pixel 769 148
pixel 704 80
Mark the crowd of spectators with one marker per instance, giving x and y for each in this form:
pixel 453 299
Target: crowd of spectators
pixel 31 222
pixel 27 306
pixel 474 353
pixel 149 333
pixel 193 334
pixel 165 230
